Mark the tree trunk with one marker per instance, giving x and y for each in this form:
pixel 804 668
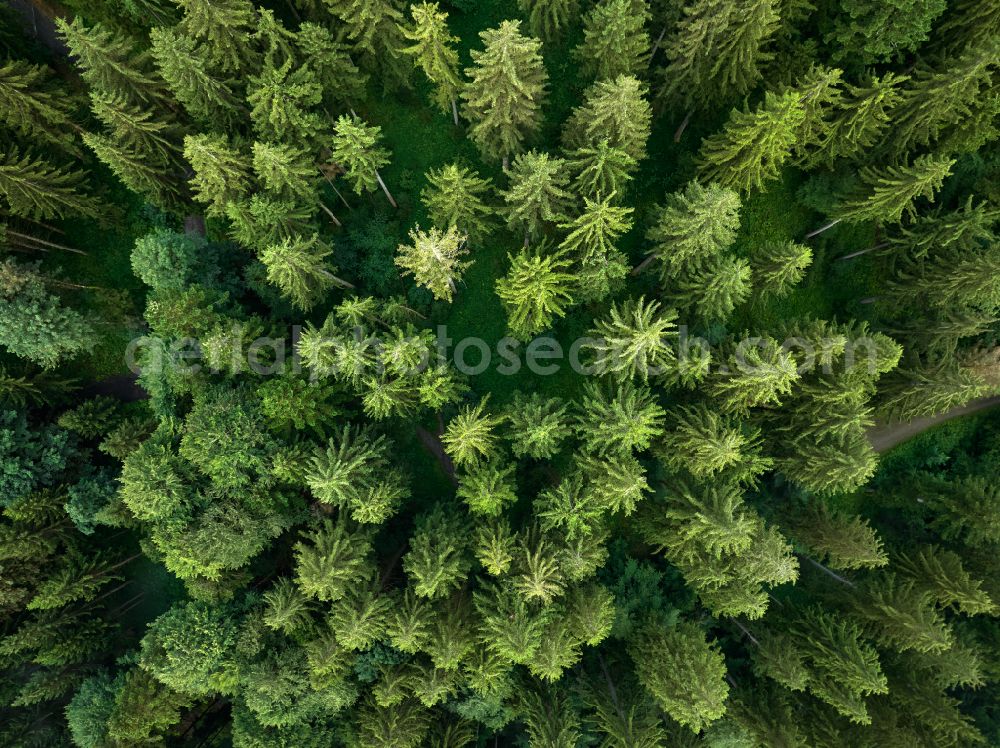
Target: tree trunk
pixel 339 281
pixel 822 568
pixel 385 189
pixel 851 256
pixel 330 213
pixel 643 265
pixel 506 164
pixel 821 229
pixel 454 111
pixel 36 240
pixel 656 45
pixel 683 126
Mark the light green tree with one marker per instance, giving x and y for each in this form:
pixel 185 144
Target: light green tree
pixel 222 175
pixel 548 19
pixel 615 110
pixel 538 194
pixel 358 151
pixel 777 268
pixel 30 106
pixel 536 291
pixel 433 50
pixel 299 268
pixel 225 27
pixel 454 196
pixel 635 340
pixel 600 169
pixel 885 195
pixel 619 419
pixel 615 41
pixel 434 259
pixel 505 92
pixel 184 65
pixel 754 145
pixel 470 438
pixel 35 188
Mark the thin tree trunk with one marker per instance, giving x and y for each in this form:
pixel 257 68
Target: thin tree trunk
pixel 36 240
pixel 656 44
pixel 64 284
pixel 330 213
pixel 385 189
pixel 822 568
pixel 506 164
pixel 851 256
pixel 334 188
pixel 643 265
pixel 339 281
pixel 869 300
pixel 454 111
pixel 683 126
pixel 821 229
pixel 128 560
pixel 746 631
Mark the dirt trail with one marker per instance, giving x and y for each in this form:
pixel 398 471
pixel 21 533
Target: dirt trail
pixel 39 17
pixel 885 437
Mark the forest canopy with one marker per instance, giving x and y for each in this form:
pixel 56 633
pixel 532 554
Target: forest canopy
pixel 549 373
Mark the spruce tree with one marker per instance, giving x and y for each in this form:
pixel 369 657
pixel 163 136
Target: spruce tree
pixel 752 148
pixel 615 110
pixel 433 51
pixel 600 169
pixel 372 27
pixel 339 77
pixel 885 195
pixel 35 188
pixel 358 151
pixel 706 443
pixel 434 260
pixel 330 559
pixel 695 225
pixel 299 269
pixel 536 291
pixel 138 129
pixel 712 291
pixel 454 196
pixel 778 268
pixel 619 419
pixel 717 49
pixel 187 70
pixel 548 19
pixel 924 391
pixel 615 41
pixel 438 560
pixel 839 540
pixel 224 26
pixel 286 171
pixel 940 98
pixel 757 373
pixel 591 240
pixel 30 105
pixel 857 123
pixel 137 172
pixel 538 196
pixel 470 438
pixel 684 672
pixel 505 91
pixel 879 31
pixel 110 62
pixel 635 341
pixel 283 101
pixel 538 425
pixel 222 175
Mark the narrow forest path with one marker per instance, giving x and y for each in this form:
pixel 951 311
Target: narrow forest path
pixel 40 17
pixel 885 437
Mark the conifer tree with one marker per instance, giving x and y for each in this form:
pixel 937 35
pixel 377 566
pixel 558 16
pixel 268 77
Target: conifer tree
pixel 433 51
pixel 939 98
pixel 438 560
pixel 615 110
pixel 902 614
pixel 336 72
pixel 358 151
pixel 283 101
pixel 329 560
pixel 224 26
pixel 885 195
pixel 110 63
pixel 286 171
pixel 717 49
pixel 857 123
pixel 137 172
pixel 434 260
pixel 831 465
pixel 136 128
pixel 355 472
pixel 839 540
pixel 714 290
pixel 600 169
pixel 752 148
pixel 538 194
pixel 548 19
pixel 487 489
pixel 35 188
pixel 684 672
pixel 299 268
pixel 924 391
pixel 505 91
pixel 187 70
pixel 756 374
pixel 536 291
pixel 696 224
pixel 635 341
pixel 30 105
pixel 880 31
pixel 619 419
pixel 779 267
pixel 705 443
pixel 372 27
pixel 538 425
pixel 615 41
pixel 221 174
pixel 470 438
pixel 454 196
pixel 942 575
pixel 591 237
